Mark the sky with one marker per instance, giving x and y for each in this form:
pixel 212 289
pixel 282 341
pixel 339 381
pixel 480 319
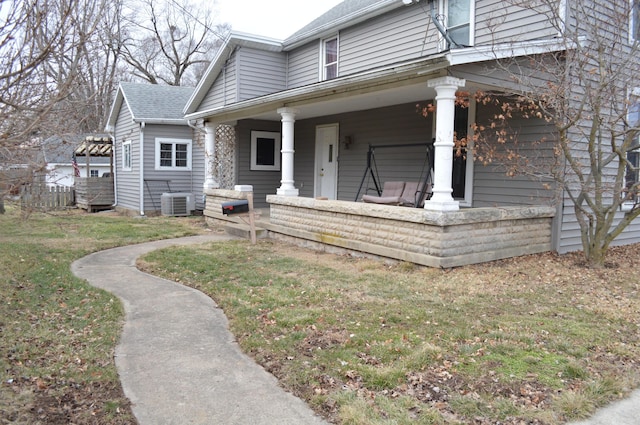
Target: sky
pixel 271 18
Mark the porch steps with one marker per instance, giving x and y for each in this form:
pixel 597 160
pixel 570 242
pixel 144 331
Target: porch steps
pixel 242 230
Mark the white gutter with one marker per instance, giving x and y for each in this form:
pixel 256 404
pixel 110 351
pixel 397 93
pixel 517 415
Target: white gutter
pixel 161 121
pixel 142 126
pixel 110 131
pixel 467 55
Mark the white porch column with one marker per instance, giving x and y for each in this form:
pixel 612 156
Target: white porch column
pixel 210 181
pixel 288 118
pixel 446 88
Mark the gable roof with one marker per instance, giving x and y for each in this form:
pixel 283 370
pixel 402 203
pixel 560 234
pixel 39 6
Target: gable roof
pixel 233 40
pixel 150 103
pixel 345 14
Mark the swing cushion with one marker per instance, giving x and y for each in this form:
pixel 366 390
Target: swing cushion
pixel 411 193
pixel 391 194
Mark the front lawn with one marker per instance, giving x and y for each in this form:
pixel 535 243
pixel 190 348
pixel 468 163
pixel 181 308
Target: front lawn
pixel 57 333
pixel 532 340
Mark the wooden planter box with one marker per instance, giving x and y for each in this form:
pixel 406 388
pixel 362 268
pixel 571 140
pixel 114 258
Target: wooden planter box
pixel 94 193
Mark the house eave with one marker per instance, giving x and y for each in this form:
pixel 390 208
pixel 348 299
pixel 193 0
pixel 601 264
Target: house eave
pixel 485 53
pixel 362 81
pixel 160 121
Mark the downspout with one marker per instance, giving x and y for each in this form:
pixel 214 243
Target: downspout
pixel 142 126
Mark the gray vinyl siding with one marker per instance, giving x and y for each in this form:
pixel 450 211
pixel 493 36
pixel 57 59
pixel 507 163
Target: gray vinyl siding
pixel 304 65
pixel 224 90
pixel 400 35
pixel 157 182
pixel 127 182
pixel 493 187
pixel 606 12
pixel 260 72
pixel 500 21
pixel 394 125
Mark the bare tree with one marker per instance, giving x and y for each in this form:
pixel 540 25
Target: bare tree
pixel 170 42
pixel 46 49
pixel 588 91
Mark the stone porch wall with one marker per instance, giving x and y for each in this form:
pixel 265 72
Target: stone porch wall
pixel 415 235
pixel 434 239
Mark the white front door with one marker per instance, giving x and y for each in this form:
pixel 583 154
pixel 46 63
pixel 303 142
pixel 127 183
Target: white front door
pixel 327 161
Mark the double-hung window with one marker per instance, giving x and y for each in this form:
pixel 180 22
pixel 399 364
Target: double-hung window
pixel 459 15
pixel 634 21
pixel 632 177
pixel 126 155
pixel 173 154
pixel 329 58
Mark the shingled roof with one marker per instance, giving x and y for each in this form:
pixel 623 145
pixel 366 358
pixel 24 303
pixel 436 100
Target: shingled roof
pixel 153 101
pixel 341 15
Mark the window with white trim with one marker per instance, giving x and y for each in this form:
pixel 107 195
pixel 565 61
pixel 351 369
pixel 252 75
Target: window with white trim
pixel 94 173
pixel 459 18
pixel 634 20
pixel 330 58
pixel 265 151
pixel 126 155
pixel 173 154
pixel 632 176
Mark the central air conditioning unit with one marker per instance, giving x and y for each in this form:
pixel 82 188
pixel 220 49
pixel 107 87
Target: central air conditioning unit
pixel 177 203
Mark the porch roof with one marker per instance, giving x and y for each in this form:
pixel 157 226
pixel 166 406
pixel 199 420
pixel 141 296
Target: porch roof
pixel 399 83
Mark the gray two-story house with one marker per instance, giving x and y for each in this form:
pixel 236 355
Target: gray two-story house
pixel 331 113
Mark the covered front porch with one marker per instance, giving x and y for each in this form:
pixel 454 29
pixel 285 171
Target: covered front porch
pixel 455 227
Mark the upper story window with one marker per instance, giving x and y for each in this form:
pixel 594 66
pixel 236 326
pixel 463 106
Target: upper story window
pixel 459 15
pixel 330 58
pixel 173 154
pixel 634 20
pixel 632 177
pixel 126 155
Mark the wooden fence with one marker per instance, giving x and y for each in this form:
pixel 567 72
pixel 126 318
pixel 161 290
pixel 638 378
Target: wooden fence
pixel 42 197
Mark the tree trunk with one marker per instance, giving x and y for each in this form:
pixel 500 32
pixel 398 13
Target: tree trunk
pixel 1 205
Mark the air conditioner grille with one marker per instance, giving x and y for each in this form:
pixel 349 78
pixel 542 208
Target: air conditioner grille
pixel 176 204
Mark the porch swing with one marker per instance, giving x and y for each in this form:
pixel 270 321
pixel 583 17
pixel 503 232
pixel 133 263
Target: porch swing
pixel 406 193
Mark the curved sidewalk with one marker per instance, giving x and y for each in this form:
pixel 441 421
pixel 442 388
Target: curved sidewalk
pixel 177 360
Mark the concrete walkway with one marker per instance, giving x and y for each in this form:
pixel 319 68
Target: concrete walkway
pixel 624 412
pixel 177 360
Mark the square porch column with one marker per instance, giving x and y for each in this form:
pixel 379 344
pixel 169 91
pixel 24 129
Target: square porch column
pixel 288 119
pixel 442 199
pixel 210 181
